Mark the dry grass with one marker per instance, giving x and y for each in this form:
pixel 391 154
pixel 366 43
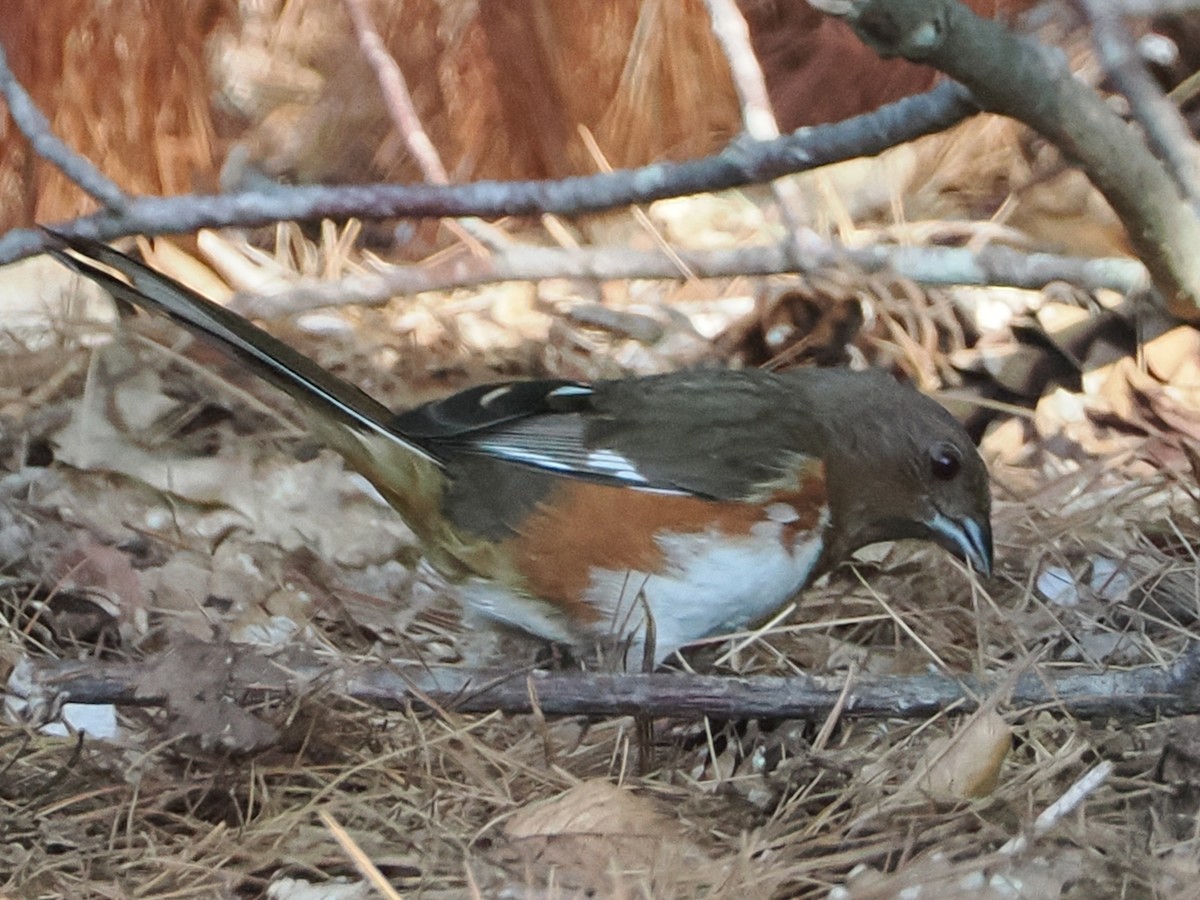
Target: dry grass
pixel 129 91
pixel 442 804
pixel 182 509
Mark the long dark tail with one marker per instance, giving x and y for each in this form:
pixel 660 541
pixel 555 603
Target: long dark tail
pixel 329 400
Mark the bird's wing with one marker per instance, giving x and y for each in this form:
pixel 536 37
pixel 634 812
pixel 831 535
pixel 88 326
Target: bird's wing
pixel 714 434
pixel 718 435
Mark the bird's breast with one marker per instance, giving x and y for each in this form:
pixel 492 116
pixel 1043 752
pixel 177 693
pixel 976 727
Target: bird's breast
pixel 597 562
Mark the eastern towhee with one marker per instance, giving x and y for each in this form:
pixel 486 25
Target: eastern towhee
pixel 671 506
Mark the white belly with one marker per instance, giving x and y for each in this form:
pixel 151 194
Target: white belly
pixel 711 587
pixel 712 584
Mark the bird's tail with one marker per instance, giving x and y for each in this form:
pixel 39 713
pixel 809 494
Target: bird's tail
pixel 332 403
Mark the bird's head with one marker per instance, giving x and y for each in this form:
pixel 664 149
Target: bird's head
pixel 902 467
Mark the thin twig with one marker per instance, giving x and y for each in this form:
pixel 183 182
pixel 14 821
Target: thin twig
pixel 1071 799
pixel 1016 76
pixel 396 95
pixel 1166 131
pixel 639 215
pixel 398 101
pixel 1155 7
pixel 1138 694
pixel 744 162
pixel 992 266
pixel 366 867
pixel 758 118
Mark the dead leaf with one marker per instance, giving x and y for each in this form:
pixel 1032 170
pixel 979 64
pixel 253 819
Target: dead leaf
pixel 1171 357
pixel 98 567
pixel 966 765
pixel 595 833
pixel 196 680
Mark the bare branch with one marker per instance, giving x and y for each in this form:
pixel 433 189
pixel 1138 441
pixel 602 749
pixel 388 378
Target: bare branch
pixel 398 101
pixel 1154 7
pixel 1138 694
pixel 743 162
pixel 994 265
pixel 758 118
pixel 395 92
pixel 1166 131
pixel 1020 78
pixel 732 33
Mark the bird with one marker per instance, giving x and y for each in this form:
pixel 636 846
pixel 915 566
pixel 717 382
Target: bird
pixel 638 514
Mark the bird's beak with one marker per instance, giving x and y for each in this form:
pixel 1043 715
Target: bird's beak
pixel 967 538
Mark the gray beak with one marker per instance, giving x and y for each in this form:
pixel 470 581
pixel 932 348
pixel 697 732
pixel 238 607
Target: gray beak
pixel 967 539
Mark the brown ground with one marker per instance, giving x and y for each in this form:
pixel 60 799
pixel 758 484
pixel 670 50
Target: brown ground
pixel 155 501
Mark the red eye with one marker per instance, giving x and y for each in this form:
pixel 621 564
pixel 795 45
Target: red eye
pixel 944 462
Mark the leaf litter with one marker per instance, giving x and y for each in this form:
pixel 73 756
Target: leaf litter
pixel 188 521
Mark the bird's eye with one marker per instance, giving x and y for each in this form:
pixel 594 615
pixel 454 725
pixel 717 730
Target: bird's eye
pixel 944 462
